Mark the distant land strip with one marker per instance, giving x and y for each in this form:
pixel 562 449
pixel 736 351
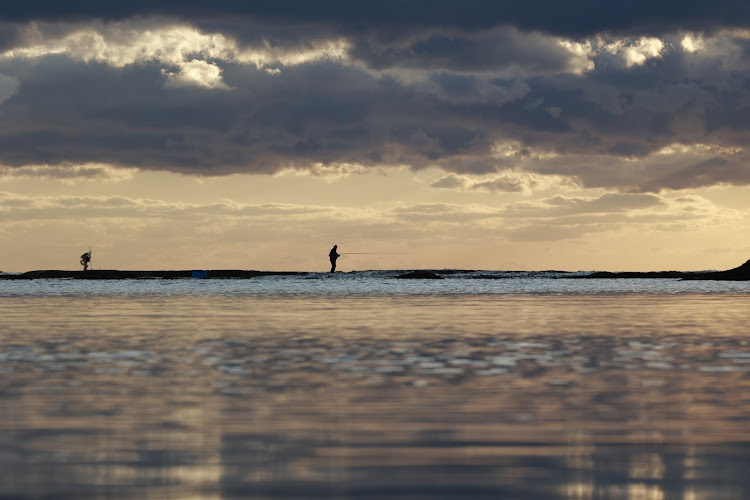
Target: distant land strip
pixel 121 275
pixel 741 273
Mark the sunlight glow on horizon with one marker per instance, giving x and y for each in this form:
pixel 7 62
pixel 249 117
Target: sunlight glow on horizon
pixel 511 231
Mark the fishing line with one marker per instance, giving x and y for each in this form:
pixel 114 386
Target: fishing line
pixel 377 253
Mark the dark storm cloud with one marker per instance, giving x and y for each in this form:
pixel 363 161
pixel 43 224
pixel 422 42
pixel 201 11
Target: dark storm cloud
pixel 582 18
pixel 11 35
pixel 264 95
pixel 87 112
pixel 496 49
pixel 324 112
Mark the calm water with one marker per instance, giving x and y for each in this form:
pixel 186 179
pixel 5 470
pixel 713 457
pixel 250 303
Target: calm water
pixel 362 386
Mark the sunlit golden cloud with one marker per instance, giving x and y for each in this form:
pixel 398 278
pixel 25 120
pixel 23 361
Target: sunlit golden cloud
pixel 185 48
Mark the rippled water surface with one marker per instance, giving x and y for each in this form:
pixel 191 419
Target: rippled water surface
pixel 372 283
pixel 329 387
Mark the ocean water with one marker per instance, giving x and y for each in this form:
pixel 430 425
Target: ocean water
pixel 362 386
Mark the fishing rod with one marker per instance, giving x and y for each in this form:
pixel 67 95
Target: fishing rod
pixel 377 253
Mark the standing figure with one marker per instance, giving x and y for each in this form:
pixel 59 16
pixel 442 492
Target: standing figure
pixel 333 255
pixel 85 259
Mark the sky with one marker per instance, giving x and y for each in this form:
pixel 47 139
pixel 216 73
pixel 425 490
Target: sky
pixel 476 135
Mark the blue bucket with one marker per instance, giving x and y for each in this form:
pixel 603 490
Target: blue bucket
pixel 200 274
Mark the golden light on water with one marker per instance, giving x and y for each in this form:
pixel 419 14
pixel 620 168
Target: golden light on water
pixel 221 394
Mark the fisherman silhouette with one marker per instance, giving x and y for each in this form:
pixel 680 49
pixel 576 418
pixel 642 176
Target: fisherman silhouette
pixel 85 259
pixel 333 255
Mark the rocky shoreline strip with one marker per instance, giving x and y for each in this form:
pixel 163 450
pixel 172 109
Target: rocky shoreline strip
pixel 118 275
pixel 210 274
pixel 741 273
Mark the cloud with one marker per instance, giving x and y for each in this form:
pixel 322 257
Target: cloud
pixel 330 172
pixel 606 203
pixel 499 50
pixel 495 106
pixel 8 87
pixel 635 52
pixel 68 173
pixel 674 167
pixel 144 233
pixel 444 213
pixel 168 43
pixel 584 18
pixel 23 207
pixel 198 73
pixel 450 182
pixel 513 181
pixel 562 217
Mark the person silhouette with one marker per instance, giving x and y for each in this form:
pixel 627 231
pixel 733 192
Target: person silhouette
pixel 85 259
pixel 333 255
